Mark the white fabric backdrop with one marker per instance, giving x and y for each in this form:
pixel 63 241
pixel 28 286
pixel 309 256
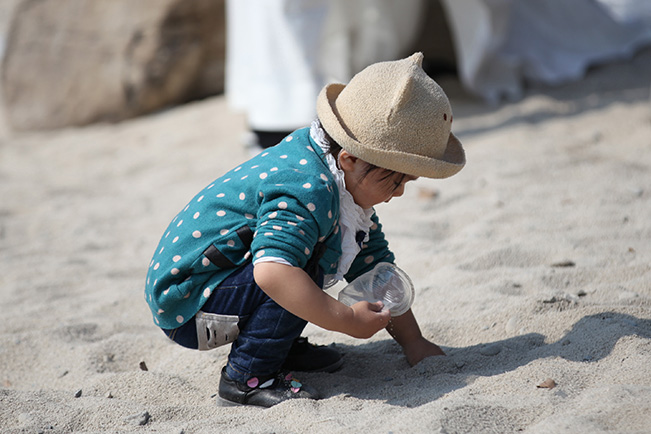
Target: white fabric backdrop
pixel 502 43
pixel 280 53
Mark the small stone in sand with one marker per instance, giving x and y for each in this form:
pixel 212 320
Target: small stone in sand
pixel 637 191
pixel 547 384
pixel 628 295
pixel 78 393
pixel 512 325
pixel 140 418
pixel 566 263
pixel 143 366
pixel 427 193
pixel 490 350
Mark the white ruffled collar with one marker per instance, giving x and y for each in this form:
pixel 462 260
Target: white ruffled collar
pixel 352 218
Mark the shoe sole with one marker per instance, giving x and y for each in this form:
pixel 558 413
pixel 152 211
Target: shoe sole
pixel 221 402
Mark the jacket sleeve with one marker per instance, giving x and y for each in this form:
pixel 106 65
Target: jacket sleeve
pixel 295 211
pixel 376 250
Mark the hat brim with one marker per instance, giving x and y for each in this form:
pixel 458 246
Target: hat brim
pixel 449 164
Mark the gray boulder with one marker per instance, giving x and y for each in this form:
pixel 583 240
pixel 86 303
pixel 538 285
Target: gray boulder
pixel 74 62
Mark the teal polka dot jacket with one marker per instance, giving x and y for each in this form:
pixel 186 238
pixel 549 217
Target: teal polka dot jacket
pixel 281 203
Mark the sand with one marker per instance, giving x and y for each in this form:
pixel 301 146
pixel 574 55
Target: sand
pixel 533 263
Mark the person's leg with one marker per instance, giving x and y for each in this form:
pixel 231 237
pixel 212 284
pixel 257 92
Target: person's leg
pixel 266 330
pixel 237 297
pixel 186 335
pixel 265 335
pixel 264 342
pixel 269 342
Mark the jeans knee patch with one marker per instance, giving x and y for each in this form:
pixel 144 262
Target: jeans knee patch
pixel 214 330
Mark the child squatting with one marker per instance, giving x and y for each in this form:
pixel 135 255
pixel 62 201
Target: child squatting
pixel 246 261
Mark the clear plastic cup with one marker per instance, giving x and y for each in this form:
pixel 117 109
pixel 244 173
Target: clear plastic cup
pixel 385 282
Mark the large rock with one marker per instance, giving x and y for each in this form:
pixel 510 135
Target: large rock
pixel 73 62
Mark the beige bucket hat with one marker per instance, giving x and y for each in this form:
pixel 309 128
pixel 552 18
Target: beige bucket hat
pixel 393 115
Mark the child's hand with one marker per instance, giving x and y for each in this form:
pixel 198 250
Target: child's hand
pixel 368 319
pixel 420 348
pixel 306 300
pixel 406 332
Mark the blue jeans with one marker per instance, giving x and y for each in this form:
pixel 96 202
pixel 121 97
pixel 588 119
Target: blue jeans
pixel 267 331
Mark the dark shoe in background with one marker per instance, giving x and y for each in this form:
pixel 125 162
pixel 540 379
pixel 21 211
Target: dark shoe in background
pixel 267 139
pixel 307 357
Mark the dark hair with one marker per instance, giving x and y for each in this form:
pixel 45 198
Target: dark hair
pixel 334 148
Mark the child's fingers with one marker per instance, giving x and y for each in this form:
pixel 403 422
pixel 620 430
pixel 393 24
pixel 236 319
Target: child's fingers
pixel 386 316
pixel 383 315
pixel 369 319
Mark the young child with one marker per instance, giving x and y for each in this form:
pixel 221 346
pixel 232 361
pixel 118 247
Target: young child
pixel 246 260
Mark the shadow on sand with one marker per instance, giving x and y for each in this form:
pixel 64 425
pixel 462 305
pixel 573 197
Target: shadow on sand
pixel 591 339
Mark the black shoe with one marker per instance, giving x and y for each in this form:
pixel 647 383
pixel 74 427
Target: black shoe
pixel 263 392
pixel 307 357
pixel 267 139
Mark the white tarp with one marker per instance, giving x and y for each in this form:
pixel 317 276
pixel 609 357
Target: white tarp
pixel 280 53
pixel 500 44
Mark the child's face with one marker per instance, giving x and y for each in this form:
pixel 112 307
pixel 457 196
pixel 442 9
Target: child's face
pixel 370 189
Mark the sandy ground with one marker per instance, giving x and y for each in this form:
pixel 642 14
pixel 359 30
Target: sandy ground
pixel 533 263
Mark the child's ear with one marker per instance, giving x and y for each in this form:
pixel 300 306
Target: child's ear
pixel 347 161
